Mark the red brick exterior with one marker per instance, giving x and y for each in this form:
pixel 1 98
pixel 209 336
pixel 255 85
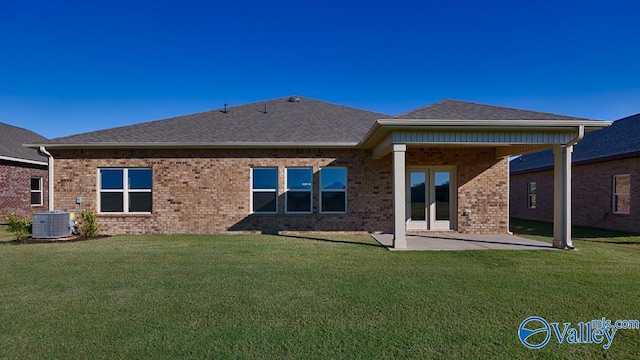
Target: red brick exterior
pixel 591 195
pixel 208 191
pixel 15 188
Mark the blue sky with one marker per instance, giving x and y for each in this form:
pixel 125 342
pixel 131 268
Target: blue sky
pixel 73 66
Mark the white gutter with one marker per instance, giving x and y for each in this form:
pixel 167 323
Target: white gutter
pixel 9 158
pixel 50 172
pixel 578 137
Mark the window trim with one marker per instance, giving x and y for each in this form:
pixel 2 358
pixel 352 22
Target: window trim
pixel 346 186
pixel 530 195
pixel 124 191
pixel 615 194
pixel 287 190
pixel 263 190
pixel 36 191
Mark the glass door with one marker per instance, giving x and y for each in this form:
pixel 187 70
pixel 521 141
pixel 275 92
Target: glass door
pixel 441 200
pixel 417 200
pixel 430 199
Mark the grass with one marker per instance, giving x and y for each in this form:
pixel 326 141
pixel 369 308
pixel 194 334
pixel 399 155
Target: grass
pixel 262 296
pixel 5 237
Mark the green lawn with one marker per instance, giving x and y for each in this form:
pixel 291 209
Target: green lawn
pixel 303 297
pixel 4 235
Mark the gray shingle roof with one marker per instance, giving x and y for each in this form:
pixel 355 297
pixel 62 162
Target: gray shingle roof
pixel 305 121
pixel 460 110
pixel 11 140
pixel 620 139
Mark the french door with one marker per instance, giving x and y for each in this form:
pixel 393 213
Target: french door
pixel 430 198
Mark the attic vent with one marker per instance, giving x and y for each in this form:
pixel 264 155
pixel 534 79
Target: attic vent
pixel 294 98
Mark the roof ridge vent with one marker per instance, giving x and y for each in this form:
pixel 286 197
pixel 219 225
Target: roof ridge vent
pixel 294 98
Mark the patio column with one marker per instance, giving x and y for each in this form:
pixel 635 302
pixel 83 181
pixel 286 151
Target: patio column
pixel 562 196
pixel 399 184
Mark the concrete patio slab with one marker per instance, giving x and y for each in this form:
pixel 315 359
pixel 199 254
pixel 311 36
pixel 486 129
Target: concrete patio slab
pixel 455 241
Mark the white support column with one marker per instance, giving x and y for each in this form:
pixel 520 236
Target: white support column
pixel 562 196
pixel 399 184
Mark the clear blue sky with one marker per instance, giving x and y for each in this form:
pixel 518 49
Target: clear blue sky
pixel 73 66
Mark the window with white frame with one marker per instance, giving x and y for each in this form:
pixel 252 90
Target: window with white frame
pixel 532 199
pixel 126 190
pixel 333 190
pixel 264 190
pixel 36 191
pixel 299 187
pixel 622 194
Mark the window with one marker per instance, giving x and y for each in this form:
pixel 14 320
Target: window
pixel 622 194
pixel 135 197
pixel 299 186
pixel 36 191
pixel 264 190
pixel 531 195
pixel 333 190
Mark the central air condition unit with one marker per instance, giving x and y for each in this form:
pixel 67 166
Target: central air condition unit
pixel 51 225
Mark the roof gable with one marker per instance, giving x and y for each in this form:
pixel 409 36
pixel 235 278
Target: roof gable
pixel 620 139
pixel 460 110
pixel 286 120
pixel 11 140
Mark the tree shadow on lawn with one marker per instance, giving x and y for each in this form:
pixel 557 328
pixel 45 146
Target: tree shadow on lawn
pixel 304 237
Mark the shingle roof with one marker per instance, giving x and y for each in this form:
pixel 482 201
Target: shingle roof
pixel 620 139
pixel 460 110
pixel 304 121
pixel 11 140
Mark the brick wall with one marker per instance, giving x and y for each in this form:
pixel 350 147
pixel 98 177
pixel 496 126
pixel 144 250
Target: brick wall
pixel 482 182
pixel 591 195
pixel 15 188
pixel 208 191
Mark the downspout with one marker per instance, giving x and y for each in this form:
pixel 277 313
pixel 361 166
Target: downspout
pixel 577 138
pixel 50 172
pixel 568 243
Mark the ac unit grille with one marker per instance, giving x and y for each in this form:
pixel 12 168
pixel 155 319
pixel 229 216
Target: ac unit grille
pixel 51 225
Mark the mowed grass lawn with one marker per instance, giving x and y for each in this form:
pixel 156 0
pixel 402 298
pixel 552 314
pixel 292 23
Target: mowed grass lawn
pixel 303 297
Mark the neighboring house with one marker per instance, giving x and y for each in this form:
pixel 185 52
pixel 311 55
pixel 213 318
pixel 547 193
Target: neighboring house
pixel 293 164
pixel 23 173
pixel 606 180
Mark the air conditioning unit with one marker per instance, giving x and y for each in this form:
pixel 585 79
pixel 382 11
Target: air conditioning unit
pixel 51 225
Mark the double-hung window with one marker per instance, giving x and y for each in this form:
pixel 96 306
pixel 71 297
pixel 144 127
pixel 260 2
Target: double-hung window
pixel 622 194
pixel 264 190
pixel 299 187
pixel 127 190
pixel 36 191
pixel 532 199
pixel 333 190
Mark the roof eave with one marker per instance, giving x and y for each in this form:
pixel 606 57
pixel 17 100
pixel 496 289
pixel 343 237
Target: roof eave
pixel 382 127
pixel 26 161
pixel 186 145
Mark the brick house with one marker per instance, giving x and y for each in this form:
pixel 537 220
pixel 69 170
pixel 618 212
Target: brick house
pixel 606 180
pixel 23 173
pixel 292 164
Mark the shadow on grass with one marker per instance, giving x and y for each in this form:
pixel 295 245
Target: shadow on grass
pixel 582 233
pixel 303 237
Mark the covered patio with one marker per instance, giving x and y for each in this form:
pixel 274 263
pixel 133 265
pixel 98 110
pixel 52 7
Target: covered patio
pixel 449 125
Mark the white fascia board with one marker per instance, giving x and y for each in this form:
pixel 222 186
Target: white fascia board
pixel 26 161
pixel 183 145
pixel 381 127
